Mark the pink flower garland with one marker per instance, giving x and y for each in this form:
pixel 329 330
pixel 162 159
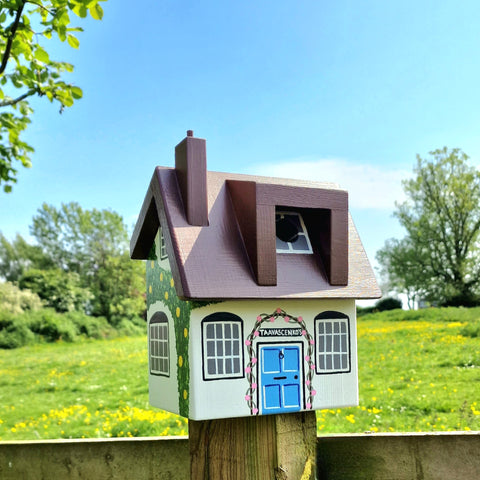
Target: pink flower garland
pixel 251 392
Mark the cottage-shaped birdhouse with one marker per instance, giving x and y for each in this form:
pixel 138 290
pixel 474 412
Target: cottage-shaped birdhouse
pixel 251 289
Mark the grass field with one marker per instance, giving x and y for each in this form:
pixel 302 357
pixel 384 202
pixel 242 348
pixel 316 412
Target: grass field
pixel 419 371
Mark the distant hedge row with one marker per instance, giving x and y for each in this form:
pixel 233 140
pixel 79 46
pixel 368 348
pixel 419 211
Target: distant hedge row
pixel 46 325
pixel 24 320
pixel 387 303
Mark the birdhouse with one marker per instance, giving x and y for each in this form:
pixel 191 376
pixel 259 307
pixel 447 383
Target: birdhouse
pixel 251 289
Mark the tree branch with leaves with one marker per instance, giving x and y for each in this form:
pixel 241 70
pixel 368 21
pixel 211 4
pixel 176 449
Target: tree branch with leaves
pixel 26 69
pixel 439 259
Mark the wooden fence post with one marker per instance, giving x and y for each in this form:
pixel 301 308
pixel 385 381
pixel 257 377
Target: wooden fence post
pixel 268 447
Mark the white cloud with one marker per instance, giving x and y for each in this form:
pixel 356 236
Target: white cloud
pixel 369 186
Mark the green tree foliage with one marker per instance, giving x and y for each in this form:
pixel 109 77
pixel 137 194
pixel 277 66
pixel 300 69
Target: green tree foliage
pixel 80 263
pixel 439 257
pixel 27 70
pixel 400 272
pixel 18 256
pixel 58 289
pixel 14 300
pixel 79 240
pixel 93 244
pixel 119 290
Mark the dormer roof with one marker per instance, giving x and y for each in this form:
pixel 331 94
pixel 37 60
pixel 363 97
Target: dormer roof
pixel 219 231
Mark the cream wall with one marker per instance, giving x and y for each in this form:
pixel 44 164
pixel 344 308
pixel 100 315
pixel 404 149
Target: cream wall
pixel 226 397
pixel 162 390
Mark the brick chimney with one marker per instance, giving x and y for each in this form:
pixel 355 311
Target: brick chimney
pixel 191 170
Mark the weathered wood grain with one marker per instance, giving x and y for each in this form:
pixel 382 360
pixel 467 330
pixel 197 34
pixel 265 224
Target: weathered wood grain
pixel 269 447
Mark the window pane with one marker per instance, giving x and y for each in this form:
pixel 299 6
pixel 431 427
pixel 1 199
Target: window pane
pixel 300 243
pixel 235 331
pixel 218 329
pixel 336 343
pixel 321 362
pixel 344 343
pixel 281 245
pixel 236 348
pixel 210 349
pixel 336 362
pixel 211 367
pixel 210 331
pixel 329 344
pixel 344 361
pixel 228 365
pixel 219 348
pixel 344 327
pixel 321 344
pixel 228 331
pixel 336 327
pixel 228 348
pixel 328 327
pixel 220 366
pixel 329 363
pixel 236 365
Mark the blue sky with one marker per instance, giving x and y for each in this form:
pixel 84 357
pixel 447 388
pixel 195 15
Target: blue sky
pixel 342 91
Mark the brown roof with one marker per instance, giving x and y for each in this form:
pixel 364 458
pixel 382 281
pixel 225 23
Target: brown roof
pixel 219 231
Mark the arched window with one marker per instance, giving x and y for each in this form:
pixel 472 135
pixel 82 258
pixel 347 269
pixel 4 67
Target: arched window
pixel 159 352
pixel 332 343
pixel 222 345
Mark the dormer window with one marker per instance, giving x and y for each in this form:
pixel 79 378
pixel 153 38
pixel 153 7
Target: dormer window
pixel 291 234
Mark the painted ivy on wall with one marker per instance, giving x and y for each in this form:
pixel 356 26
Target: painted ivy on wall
pixel 161 287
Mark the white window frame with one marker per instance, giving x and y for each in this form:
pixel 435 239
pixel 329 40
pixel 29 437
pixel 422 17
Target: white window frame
pixel 159 345
pixel 163 248
pixel 219 349
pixel 332 343
pixel 302 233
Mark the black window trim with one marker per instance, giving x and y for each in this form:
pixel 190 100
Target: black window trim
pixel 225 317
pixel 158 317
pixel 333 315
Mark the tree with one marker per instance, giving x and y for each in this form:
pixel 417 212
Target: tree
pixel 17 301
pixel 58 289
pixel 120 289
pixel 439 257
pixel 399 269
pixel 18 256
pixel 94 245
pixel 26 69
pixel 79 240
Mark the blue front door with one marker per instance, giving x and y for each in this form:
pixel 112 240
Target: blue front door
pixel 280 378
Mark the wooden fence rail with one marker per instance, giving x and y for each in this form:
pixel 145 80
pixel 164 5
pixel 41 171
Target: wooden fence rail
pixel 438 456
